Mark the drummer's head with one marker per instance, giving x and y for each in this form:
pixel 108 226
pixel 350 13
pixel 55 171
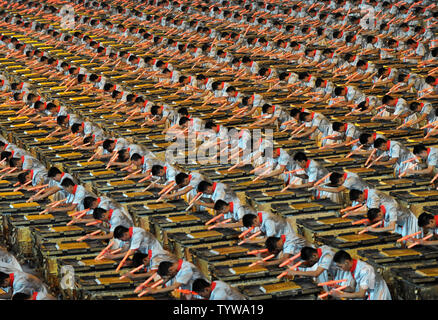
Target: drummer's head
pixel 205 187
pixel 357 195
pixel 221 207
pixel 274 244
pixel 310 256
pixel 366 139
pixel 427 221
pixel 202 288
pixel 167 269
pixel 420 151
pixel 337 179
pixel 375 215
pixel 381 144
pixel 301 159
pixel 250 220
pixel 122 233
pixel 343 260
pixel 4 280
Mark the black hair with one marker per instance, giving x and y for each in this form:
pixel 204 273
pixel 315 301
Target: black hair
pixel 307 252
pixel 183 120
pixel 156 169
pixel 248 219
pixel 75 127
pixel 98 213
pixel 60 120
pixel 203 185
pixel 220 205
pixel 119 231
pixel 372 214
pixel 271 244
pixel 265 107
pixel 53 171
pixel 88 201
pixel 378 142
pixel 179 178
pixel 13 162
pixel 386 99
pixel 137 259
pixel 107 143
pixel 338 91
pixel 21 296
pixel 335 177
pixel 67 182
pixel 424 219
pixel 300 156
pixel 163 268
pixel 363 138
pixel 337 125
pixel 355 194
pixel 22 177
pixel 430 80
pixel 3 276
pixel 341 256
pixel 419 148
pixel 135 157
pixel 200 285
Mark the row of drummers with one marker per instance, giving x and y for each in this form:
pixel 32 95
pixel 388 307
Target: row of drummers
pixel 393 108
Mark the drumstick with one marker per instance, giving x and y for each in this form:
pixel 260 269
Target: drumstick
pixel 434 178
pixel 371 155
pixel 37 187
pixel 105 250
pixel 170 185
pixel 350 208
pixel 257 251
pixel 371 226
pixel 329 283
pixel 337 289
pixel 26 184
pixel 133 271
pixel 348 213
pixel 78 212
pixel 147 178
pixel 262 260
pixel 132 174
pixel 294 171
pixel 214 219
pixel 352 152
pixel 374 161
pixel 415 243
pixel 360 221
pixel 36 195
pixel 198 195
pixel 409 236
pixel 296 265
pixel 141 286
pixel 249 238
pixel 78 217
pixel 322 180
pixel 88 235
pixel 291 183
pixel 406 171
pixel 93 223
pixel 217 224
pixel 289 260
pixel 151 184
pixel 244 233
pixel 167 191
pixel 123 261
